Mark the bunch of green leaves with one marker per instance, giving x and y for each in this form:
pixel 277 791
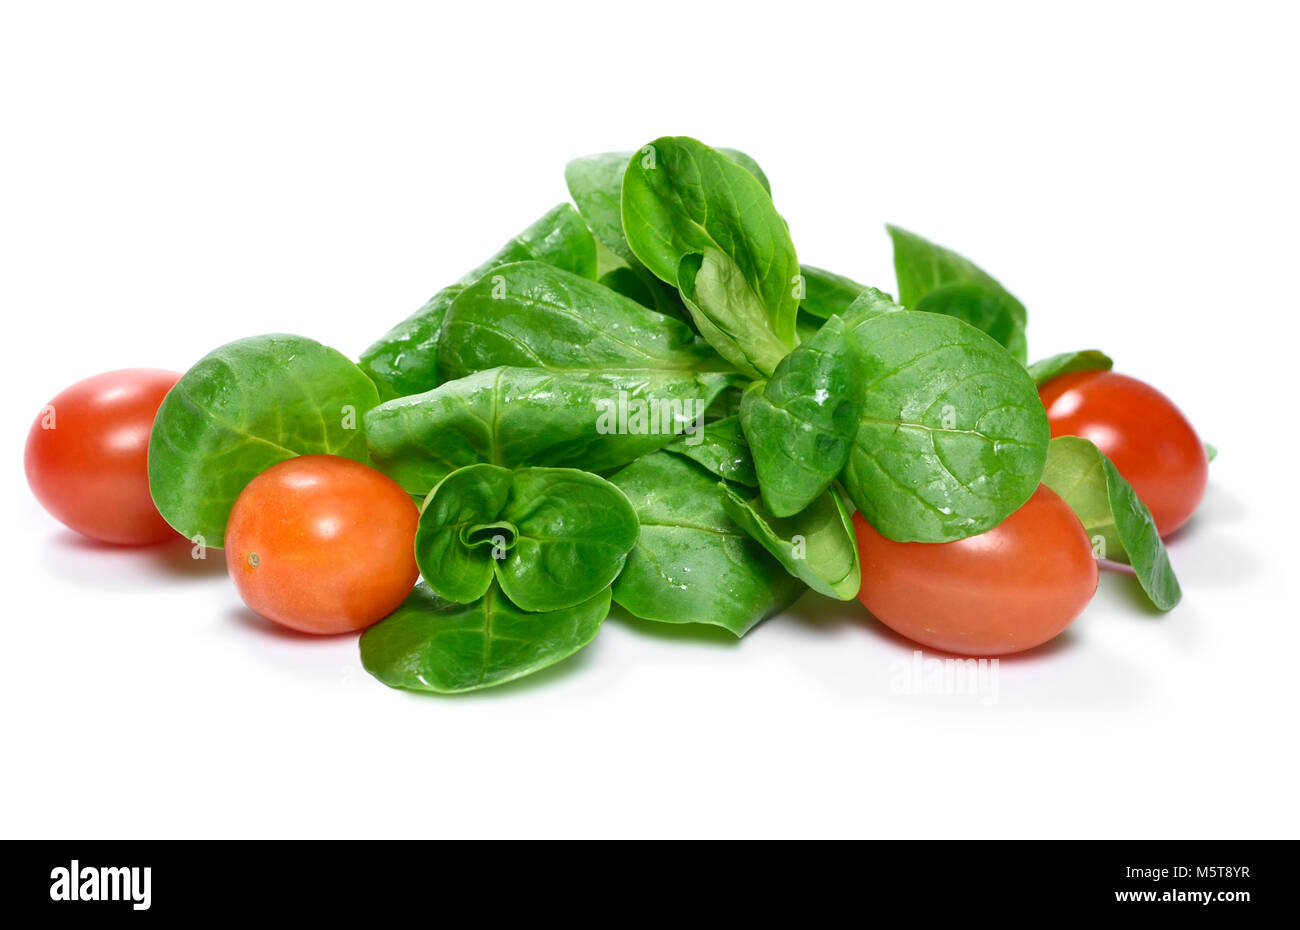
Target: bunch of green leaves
pixel 783 397
pixel 919 419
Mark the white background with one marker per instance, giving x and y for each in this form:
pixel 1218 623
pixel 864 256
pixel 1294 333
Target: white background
pixel 175 176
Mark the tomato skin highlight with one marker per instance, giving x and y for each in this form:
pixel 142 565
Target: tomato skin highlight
pixel 91 469
pixel 1139 429
pixel 322 544
pixel 1009 589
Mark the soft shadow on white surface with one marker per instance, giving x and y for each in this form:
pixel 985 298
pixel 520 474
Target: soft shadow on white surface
pixel 321 659
pixel 1212 558
pixel 84 561
pixel 336 660
pixel 1221 507
pixel 1064 671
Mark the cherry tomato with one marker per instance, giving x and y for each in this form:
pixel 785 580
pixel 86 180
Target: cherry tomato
pixel 322 544
pixel 1142 432
pixel 87 456
pixel 1006 590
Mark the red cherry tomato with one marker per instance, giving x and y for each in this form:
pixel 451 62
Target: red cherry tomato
pixel 1006 590
pixel 1142 432
pixel 322 544
pixel 87 456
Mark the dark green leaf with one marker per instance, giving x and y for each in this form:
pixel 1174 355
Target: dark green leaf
pixel 953 435
pixel 640 285
pixel 1067 363
pixel 596 185
pixel 827 293
pixel 806 326
pixel 429 644
pixel 527 416
pixel 802 422
pixel 817 545
pixel 404 361
pixel 243 408
pixel 749 165
pixel 721 448
pixel 575 530
pixel 457 566
pixel 680 196
pixel 1119 523
pixel 553 537
pixel 534 315
pixel 992 312
pixel 869 304
pixel 923 267
pixel 692 563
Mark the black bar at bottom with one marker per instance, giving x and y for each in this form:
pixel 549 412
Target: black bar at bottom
pixel 330 879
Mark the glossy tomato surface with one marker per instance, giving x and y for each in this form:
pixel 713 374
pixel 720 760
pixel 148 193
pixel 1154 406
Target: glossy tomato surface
pixel 322 544
pixel 1141 431
pixel 1006 590
pixel 87 456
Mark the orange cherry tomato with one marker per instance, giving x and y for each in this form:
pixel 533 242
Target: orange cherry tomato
pixel 1006 590
pixel 322 544
pixel 87 456
pixel 1141 431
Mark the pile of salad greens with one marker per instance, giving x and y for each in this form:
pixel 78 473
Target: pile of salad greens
pixel 649 401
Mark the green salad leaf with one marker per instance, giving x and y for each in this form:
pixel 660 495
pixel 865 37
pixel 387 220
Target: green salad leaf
pixel 692 563
pixel 801 423
pixel 1120 525
pixel 596 185
pixel 404 361
pixel 551 537
pixel 728 314
pixel 597 420
pixel 806 326
pixel 986 310
pixel 816 545
pixel 243 408
pixel 640 285
pixel 721 448
pixel 680 197
pixel 530 314
pixel 867 305
pixel 434 645
pixel 965 290
pixel 1068 363
pixel 953 436
pixel 827 293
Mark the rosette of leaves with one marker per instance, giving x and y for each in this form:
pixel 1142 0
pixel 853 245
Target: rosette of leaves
pixel 551 537
pixel 517 568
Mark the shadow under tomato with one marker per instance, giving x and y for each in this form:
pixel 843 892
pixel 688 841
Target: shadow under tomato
pixel 1220 506
pixel 72 555
pixel 254 622
pixel 826 616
